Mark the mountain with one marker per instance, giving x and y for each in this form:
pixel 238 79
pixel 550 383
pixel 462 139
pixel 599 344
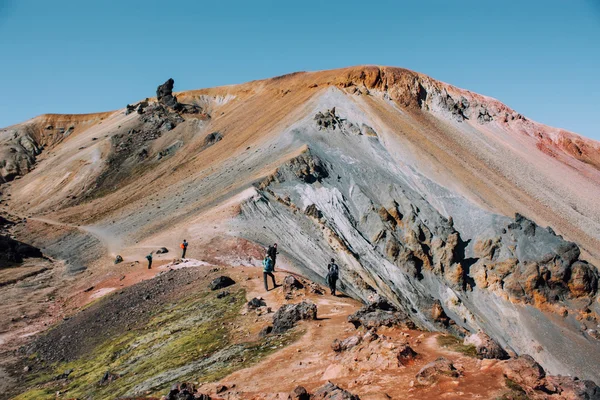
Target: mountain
pixel 461 212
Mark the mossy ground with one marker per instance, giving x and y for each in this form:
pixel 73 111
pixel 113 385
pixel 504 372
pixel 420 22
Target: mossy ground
pixel 516 391
pixel 181 334
pixel 455 344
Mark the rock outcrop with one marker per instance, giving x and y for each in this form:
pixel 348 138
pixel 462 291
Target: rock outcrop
pixel 486 346
pixel 333 392
pixel 371 316
pixel 165 96
pixel 18 152
pixel 531 378
pixel 435 369
pixel 286 317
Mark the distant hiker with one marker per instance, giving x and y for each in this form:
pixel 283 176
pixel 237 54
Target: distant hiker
pixel 268 268
pixel 149 258
pixel 272 252
pixel 184 246
pixel 333 273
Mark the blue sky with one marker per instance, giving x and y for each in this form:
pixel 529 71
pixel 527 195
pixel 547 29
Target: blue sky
pixel 540 57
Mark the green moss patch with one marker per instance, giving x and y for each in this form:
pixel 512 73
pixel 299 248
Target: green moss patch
pixel 190 340
pixel 455 344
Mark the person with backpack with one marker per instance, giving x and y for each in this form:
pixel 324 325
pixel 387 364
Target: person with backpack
pixel 333 273
pixel 268 268
pixel 184 246
pixel 272 252
pixel 149 258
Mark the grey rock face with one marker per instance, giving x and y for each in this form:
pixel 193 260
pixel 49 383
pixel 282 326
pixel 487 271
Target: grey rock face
pixel 18 151
pixel 440 260
pixel 286 317
pixel 525 260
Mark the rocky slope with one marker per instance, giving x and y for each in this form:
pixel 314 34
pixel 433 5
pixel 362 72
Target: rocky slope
pixel 463 213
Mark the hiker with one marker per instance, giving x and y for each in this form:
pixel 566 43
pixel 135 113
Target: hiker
pixel 268 268
pixel 184 246
pixel 149 258
pixel 272 252
pixel 333 272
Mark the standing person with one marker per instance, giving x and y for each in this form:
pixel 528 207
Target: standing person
pixel 268 268
pixel 184 246
pixel 272 252
pixel 149 258
pixel 333 273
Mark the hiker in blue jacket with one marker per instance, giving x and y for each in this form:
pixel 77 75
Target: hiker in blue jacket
pixel 268 268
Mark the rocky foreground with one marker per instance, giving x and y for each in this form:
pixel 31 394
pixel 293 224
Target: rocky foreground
pixel 232 340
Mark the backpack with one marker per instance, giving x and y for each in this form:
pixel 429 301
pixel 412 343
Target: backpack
pixel 182 246
pixel 268 264
pixel 334 270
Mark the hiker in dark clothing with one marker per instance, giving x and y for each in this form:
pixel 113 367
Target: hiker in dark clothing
pixel 272 252
pixel 149 258
pixel 184 246
pixel 333 273
pixel 268 268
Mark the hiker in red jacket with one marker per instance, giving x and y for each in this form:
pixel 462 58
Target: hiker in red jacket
pixel 184 246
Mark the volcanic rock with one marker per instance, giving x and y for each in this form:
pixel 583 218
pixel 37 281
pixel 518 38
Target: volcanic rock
pixel 286 317
pixel 346 344
pixel 371 316
pixel 221 282
pixel 486 347
pixel 299 393
pixel 291 283
pixel 256 302
pixel 430 372
pixel 524 371
pixel 333 392
pixel 13 251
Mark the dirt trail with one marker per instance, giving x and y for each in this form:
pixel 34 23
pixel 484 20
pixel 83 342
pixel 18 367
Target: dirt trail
pixel 311 362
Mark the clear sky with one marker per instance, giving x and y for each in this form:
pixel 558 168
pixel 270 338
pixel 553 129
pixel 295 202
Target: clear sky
pixel 540 57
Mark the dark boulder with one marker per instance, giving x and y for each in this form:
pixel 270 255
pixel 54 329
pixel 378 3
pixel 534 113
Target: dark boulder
pixel 162 250
pixel 164 95
pixel 265 331
pixel 406 354
pixel 299 393
pixel 291 283
pixel 221 282
pixel 572 388
pixel 286 317
pixel 212 138
pixel 118 259
pixel 333 392
pixel 256 303
pixel 13 252
pixel 312 211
